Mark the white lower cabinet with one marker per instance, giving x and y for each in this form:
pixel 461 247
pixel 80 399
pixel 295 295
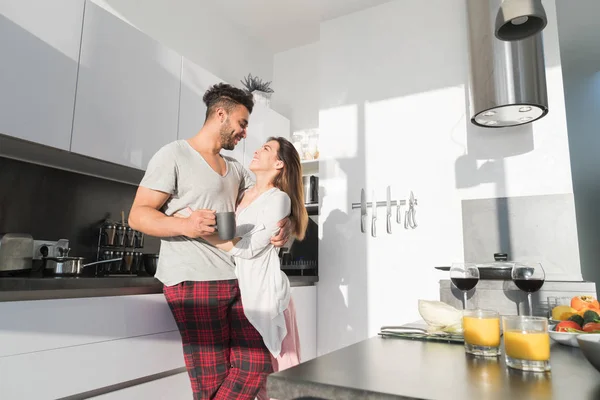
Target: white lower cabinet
pixel 305 300
pixel 75 346
pixel 174 387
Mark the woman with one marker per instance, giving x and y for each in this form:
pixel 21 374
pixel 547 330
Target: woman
pixel 264 288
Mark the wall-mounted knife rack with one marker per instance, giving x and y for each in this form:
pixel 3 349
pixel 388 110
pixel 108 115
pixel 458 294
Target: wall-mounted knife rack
pixel 382 204
pixel 409 213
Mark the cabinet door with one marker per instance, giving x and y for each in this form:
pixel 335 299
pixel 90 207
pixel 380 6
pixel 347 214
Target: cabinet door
pixel 175 387
pixel 39 44
pixel 305 300
pixel 127 100
pixel 278 125
pixel 195 80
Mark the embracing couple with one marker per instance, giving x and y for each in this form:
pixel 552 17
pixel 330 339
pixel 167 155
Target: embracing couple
pixel 230 299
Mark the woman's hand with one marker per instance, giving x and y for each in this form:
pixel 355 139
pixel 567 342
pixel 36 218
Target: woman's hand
pixel 285 231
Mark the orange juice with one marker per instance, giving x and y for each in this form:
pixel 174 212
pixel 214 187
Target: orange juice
pixel 531 346
pixel 482 331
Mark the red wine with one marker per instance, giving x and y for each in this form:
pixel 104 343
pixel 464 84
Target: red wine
pixel 529 285
pixel 465 284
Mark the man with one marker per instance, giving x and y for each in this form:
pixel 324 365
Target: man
pixel 225 356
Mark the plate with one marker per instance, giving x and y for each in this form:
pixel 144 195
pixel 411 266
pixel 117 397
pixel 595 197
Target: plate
pixel 564 338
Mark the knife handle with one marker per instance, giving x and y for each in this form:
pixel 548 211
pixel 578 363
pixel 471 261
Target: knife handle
pixel 373 227
pixel 389 223
pixel 363 223
pixel 398 215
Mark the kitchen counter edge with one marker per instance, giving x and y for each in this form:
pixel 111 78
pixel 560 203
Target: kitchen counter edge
pixel 24 289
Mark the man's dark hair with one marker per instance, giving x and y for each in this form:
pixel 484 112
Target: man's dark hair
pixel 226 96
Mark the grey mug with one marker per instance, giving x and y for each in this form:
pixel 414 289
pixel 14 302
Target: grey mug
pixel 226 225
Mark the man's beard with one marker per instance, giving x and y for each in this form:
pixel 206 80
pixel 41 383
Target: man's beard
pixel 227 138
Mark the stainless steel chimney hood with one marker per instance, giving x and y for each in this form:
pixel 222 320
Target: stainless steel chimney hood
pixel 507 77
pixel 519 19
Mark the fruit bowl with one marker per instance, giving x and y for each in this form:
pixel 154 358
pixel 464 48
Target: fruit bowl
pixel 564 338
pixel 590 347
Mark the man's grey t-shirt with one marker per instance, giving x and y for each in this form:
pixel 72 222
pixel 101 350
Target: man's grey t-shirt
pixel 179 170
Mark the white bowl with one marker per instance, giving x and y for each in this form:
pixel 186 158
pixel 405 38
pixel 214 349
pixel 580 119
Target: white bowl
pixel 565 338
pixel 590 347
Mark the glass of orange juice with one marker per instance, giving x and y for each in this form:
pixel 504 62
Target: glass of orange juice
pixel 527 343
pixel 482 332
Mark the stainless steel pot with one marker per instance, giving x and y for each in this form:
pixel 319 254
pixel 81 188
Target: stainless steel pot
pixel 71 266
pixel 500 269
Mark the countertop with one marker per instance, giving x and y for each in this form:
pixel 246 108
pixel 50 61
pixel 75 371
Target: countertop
pixel 391 368
pixel 20 289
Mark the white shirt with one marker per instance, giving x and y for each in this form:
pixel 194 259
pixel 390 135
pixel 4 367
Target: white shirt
pixel 264 288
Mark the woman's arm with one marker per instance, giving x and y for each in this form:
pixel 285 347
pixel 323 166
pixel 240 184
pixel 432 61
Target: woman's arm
pixel 250 245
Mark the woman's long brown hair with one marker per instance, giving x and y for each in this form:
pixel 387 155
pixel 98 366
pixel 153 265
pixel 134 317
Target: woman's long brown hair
pixel 290 182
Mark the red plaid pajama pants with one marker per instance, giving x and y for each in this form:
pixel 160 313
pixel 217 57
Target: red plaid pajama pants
pixel 224 354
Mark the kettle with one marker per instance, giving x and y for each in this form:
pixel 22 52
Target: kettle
pixel 311 189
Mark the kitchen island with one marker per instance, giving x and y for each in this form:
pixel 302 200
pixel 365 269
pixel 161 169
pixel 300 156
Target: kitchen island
pixel 386 368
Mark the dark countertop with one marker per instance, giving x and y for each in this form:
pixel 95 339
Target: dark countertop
pixel 20 289
pixel 380 368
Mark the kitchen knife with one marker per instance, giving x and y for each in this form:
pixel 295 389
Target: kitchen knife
pixel 398 211
pixel 363 210
pixel 412 211
pixel 373 216
pixel 388 204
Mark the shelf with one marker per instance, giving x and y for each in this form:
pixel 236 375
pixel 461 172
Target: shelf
pixel 310 167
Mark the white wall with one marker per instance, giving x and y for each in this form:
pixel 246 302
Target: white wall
pixel 393 111
pixel 296 85
pixel 580 56
pixel 196 31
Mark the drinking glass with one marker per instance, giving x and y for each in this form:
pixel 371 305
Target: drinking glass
pixel 529 277
pixel 526 343
pixel 464 277
pixel 555 301
pixel 481 330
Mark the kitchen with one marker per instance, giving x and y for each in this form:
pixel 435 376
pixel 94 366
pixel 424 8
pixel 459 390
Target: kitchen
pixel 462 176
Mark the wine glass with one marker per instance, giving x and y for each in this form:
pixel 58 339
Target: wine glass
pixel 464 277
pixel 529 277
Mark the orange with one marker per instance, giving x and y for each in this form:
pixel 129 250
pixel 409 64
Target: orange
pixel 584 302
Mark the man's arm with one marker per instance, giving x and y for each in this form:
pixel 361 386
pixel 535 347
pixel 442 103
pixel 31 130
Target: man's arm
pixel 146 217
pixel 285 231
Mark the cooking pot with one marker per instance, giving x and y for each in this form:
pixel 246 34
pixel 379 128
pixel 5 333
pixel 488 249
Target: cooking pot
pixel 500 269
pixel 71 266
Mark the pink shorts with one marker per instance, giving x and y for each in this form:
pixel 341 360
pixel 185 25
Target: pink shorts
pixel 290 348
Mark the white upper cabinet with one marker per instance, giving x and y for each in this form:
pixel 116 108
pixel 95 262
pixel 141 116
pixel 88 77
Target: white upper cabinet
pixel 256 133
pixel 279 125
pixel 195 80
pixel 264 123
pixel 127 101
pixel 39 53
